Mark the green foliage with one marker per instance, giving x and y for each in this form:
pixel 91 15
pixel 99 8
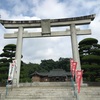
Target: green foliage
pixel 97 79
pixel 48 64
pixel 90 58
pixel 7 56
pixel 88 41
pixel 9 51
pixel 63 63
pixel 10 48
pixel 3 60
pixel 91 72
pixel 44 66
pixel 27 70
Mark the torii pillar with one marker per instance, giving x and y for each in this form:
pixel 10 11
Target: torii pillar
pixel 75 46
pixel 18 54
pixel 45 25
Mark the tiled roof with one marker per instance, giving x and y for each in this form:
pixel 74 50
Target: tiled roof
pixel 52 73
pixel 57 72
pixel 40 73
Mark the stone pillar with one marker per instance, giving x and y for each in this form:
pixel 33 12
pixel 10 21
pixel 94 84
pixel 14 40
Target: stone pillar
pixel 75 46
pixel 18 54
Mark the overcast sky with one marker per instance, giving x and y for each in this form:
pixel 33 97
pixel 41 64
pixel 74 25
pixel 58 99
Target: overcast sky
pixel 37 49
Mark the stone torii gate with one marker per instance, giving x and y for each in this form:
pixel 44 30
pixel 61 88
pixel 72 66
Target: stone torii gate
pixel 45 26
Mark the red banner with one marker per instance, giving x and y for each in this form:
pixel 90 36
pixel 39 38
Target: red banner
pixel 79 79
pixel 74 64
pixel 71 61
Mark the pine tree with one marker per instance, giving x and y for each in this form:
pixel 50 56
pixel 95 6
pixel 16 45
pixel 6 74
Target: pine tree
pixel 89 50
pixel 7 56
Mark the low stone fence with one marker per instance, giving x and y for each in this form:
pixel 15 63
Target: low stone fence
pixel 35 84
pixel 93 83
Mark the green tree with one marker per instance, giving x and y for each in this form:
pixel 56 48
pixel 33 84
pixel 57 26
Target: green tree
pixel 48 64
pixel 9 51
pixel 27 70
pixel 89 50
pixel 63 63
pixel 7 56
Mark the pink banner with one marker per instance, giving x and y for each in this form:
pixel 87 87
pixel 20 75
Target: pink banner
pixel 71 61
pixel 74 64
pixel 79 79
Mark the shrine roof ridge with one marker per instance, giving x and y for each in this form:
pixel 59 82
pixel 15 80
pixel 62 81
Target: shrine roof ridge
pixel 92 16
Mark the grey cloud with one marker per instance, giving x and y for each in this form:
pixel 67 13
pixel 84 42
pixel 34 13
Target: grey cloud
pixel 36 49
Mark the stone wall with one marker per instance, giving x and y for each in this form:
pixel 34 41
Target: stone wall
pixel 36 79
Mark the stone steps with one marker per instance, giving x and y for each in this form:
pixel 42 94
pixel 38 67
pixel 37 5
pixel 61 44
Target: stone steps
pixel 37 97
pixel 2 89
pixel 2 93
pixel 45 99
pixel 52 91
pixel 42 91
pixel 46 84
pixel 89 93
